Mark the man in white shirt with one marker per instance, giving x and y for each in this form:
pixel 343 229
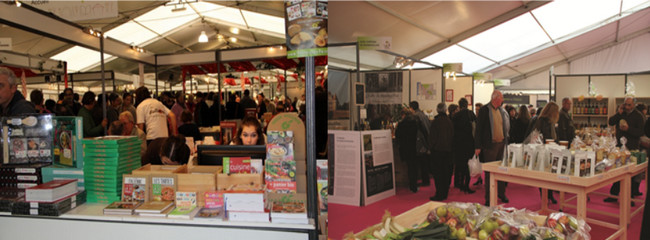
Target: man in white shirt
pixel 153 116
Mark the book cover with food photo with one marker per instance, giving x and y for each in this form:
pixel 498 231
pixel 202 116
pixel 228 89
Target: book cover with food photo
pixel 163 187
pixel 121 208
pixel 280 176
pixel 134 188
pixel 210 214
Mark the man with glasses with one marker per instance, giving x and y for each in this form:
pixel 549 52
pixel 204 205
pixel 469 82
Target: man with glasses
pixel 629 124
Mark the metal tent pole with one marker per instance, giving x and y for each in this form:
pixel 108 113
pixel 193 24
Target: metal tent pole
pixel 101 54
pixel 312 193
pixel 218 53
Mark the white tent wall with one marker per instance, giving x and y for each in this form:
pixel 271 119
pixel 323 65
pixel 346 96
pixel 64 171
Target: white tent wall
pixel 641 84
pixel 482 92
pixel 625 57
pixel 426 76
pixel 461 87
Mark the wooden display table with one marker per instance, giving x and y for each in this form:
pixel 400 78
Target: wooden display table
pixel 581 186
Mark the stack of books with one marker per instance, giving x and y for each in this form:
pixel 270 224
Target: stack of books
pixel 289 212
pixel 21 176
pixel 280 166
pixel 135 191
pixel 213 209
pixel 186 206
pixel 245 207
pixel 121 208
pixel 50 199
pixel 155 208
pixel 105 160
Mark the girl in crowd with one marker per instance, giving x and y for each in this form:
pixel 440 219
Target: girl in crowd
pixel 249 133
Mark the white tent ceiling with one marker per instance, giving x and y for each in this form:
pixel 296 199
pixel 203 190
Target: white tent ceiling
pixel 510 39
pixel 158 30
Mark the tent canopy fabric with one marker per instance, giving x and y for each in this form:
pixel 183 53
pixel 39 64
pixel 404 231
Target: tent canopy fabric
pixel 510 39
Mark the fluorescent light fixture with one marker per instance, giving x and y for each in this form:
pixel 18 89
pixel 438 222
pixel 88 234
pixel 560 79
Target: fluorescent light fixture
pixel 234 30
pixel 203 37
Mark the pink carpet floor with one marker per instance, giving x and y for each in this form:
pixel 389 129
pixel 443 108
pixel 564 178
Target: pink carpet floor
pixel 343 219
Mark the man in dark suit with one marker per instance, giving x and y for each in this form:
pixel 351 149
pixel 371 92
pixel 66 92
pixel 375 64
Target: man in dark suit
pixel 629 123
pixel 491 137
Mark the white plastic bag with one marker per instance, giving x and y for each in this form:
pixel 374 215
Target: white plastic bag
pixel 475 168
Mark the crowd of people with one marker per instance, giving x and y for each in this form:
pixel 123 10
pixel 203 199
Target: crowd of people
pixel 443 146
pixel 160 122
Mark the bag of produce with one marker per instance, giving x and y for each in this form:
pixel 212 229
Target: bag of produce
pixel 569 226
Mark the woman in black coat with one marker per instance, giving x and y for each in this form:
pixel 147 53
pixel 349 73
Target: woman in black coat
pixel 519 126
pixel 463 145
pixel 405 136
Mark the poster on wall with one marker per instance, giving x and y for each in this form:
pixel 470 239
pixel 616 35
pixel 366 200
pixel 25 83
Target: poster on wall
pixel 426 91
pixel 306 32
pixel 345 170
pixel 377 154
pixel 449 95
pixel 383 95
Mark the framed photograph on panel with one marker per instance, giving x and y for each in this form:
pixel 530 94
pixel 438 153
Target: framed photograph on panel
pixel 449 95
pixel 360 94
pixel 469 99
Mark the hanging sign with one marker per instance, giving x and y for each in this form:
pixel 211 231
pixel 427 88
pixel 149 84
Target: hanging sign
pixel 78 10
pixel 5 44
pixel 375 43
pixel 501 82
pixel 306 23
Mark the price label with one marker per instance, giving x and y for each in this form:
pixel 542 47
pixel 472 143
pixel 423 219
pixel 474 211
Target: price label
pixel 33 211
pixel 33 205
pixel 73 205
pixel 564 178
pixel 503 169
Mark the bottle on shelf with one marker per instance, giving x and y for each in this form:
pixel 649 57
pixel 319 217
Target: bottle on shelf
pixel 604 112
pixel 575 108
pixel 597 109
pixel 585 109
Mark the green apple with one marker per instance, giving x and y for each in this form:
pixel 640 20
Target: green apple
pixel 454 232
pixel 441 211
pixel 461 234
pixel 482 235
pixel 505 229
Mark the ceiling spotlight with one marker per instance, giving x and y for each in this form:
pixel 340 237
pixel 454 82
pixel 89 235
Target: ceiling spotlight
pixel 234 30
pixel 18 4
pixel 203 37
pixel 219 36
pixel 232 39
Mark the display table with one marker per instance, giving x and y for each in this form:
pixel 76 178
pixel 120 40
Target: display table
pixel 88 222
pixel 581 186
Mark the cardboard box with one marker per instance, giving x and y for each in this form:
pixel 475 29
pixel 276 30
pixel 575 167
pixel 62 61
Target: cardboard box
pixel 198 179
pixel 240 180
pixel 159 169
